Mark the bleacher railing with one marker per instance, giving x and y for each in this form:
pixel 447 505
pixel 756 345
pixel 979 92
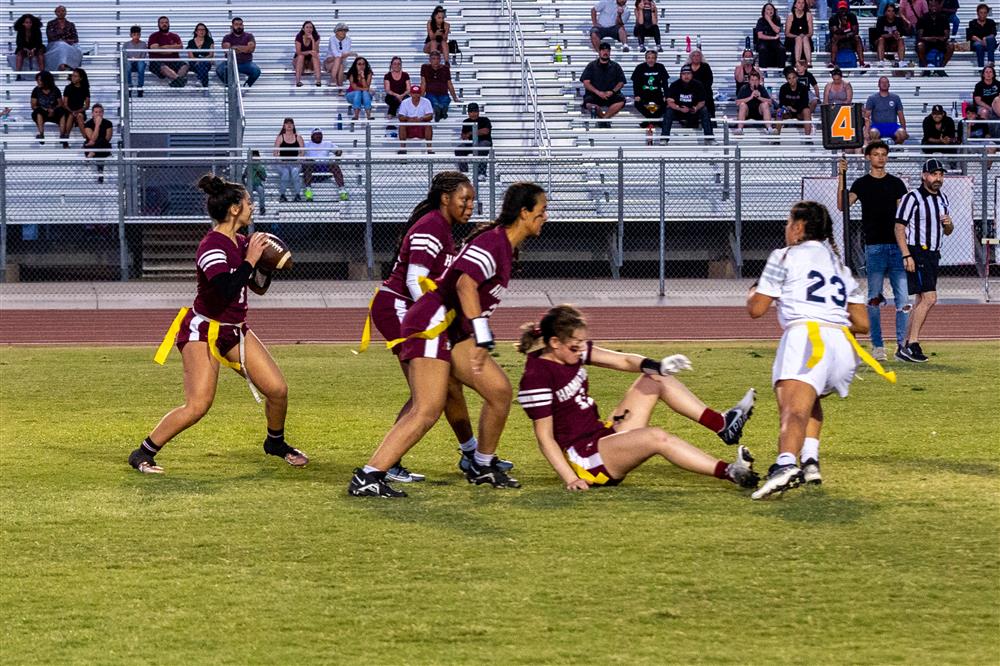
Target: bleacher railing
pixel 539 126
pixel 640 225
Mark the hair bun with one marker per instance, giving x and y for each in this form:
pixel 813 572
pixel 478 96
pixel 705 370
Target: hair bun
pixel 211 184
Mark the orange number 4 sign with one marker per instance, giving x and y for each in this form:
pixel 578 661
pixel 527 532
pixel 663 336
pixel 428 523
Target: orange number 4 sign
pixel 842 126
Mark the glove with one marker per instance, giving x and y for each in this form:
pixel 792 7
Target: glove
pixel 671 365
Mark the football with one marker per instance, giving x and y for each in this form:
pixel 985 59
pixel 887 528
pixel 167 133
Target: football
pixel 276 257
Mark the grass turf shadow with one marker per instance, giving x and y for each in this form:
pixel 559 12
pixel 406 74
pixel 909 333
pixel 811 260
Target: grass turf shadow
pixel 929 465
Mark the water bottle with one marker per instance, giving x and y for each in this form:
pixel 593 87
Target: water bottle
pixel 340 121
pixel 698 42
pixel 688 40
pixel 746 43
pixel 559 55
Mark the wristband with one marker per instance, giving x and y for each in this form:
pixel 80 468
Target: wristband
pixel 483 334
pixel 907 256
pixel 649 366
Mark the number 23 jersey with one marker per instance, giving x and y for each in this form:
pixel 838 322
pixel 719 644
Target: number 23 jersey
pixel 810 284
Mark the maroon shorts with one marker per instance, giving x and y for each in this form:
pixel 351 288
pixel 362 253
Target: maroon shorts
pixel 416 131
pixel 585 459
pixel 423 315
pixel 194 328
pixel 388 310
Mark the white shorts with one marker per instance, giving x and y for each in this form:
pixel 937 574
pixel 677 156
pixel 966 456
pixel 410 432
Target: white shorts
pixel 835 369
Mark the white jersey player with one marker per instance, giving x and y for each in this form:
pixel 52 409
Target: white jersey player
pixel 819 306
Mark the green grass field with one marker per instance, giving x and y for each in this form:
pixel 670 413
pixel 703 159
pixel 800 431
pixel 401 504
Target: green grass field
pixel 232 557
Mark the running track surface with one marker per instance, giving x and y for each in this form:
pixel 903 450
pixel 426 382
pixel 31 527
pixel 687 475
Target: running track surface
pixel 146 327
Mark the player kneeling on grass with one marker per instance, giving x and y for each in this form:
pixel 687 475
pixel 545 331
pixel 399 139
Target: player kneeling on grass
pixel 582 449
pixel 213 332
pixel 820 305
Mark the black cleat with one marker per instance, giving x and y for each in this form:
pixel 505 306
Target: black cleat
pixel 465 462
pixel 143 462
pixel 292 456
pixel 916 353
pixel 371 484
pixel 903 353
pixel 491 474
pixel 737 417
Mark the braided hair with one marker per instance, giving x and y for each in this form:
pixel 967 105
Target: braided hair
pixel 559 322
pixel 818 223
pixel 221 195
pixel 446 182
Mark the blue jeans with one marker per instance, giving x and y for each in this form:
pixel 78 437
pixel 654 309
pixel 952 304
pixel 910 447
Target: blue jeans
pixel 360 99
pixel 140 67
pixel 955 25
pixel 290 178
pixel 982 49
pixel 439 102
pixel 886 261
pixel 249 69
pixel 202 67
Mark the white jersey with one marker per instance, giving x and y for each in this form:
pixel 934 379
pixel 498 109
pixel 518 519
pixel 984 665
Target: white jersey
pixel 810 284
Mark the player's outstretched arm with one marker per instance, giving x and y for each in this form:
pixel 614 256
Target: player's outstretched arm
pixel 550 449
pixel 613 360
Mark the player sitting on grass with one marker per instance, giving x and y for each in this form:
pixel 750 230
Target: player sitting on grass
pixel 818 299
pixel 585 451
pixel 214 331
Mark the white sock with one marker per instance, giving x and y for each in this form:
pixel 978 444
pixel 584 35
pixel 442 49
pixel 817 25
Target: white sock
pixel 810 449
pixel 469 445
pixel 483 459
pixel 368 469
pixel 786 459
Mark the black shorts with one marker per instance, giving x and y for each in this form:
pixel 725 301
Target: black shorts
pixel 753 111
pixel 598 102
pixel 924 278
pixel 605 33
pixel 53 116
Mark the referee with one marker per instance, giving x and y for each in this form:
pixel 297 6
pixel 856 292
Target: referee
pixel 923 217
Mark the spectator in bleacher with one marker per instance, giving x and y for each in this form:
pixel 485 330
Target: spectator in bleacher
pixel 288 148
pixel 747 66
pixel 793 101
pixel 97 139
pixel 253 177
pixel 647 24
pixel 359 87
pixel 807 79
pixel 702 73
pixel 649 89
pixel 799 31
pixel 476 139
pixel 767 37
pixel 243 43
pixel 307 53
pixel 608 19
pixel 972 132
pixel 173 69
pixel 320 157
pixel 884 118
pixel 986 98
pixel 135 54
pixel 435 81
pixel 939 130
pixel 338 50
pixel 950 9
pixel 76 101
pixel 603 80
pixel 438 31
pixel 396 84
pixel 28 45
pixel 201 50
pixel 753 102
pixel 838 90
pixel 934 34
pixel 686 104
pixel 845 34
pixel 415 109
pixel 46 103
pixel 62 52
pixel 913 11
pixel 982 35
pixel 889 31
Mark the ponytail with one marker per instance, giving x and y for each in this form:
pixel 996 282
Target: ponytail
pixel 559 322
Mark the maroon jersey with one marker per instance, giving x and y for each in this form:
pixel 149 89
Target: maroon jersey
pixel 218 254
pixel 428 243
pixel 487 260
pixel 560 391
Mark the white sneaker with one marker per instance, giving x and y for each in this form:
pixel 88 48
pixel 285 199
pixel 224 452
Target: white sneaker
pixel 779 479
pixel 878 353
pixel 810 472
pixel 740 471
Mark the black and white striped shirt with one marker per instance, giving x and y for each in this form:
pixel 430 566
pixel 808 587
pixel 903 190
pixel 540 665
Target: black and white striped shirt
pixel 921 212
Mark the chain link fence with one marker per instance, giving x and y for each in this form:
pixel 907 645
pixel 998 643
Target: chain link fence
pixel 621 226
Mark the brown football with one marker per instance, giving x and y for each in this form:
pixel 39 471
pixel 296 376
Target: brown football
pixel 276 257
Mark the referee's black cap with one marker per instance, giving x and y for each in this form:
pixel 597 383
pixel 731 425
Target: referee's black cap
pixel 932 165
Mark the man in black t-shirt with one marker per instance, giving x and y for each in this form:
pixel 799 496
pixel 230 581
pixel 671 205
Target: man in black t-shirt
pixel 879 193
pixel 603 80
pixel 939 131
pixel 845 34
pixel 793 101
pixel 477 131
pixel 889 31
pixel 933 34
pixel 649 86
pixel 686 104
pixel 753 102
